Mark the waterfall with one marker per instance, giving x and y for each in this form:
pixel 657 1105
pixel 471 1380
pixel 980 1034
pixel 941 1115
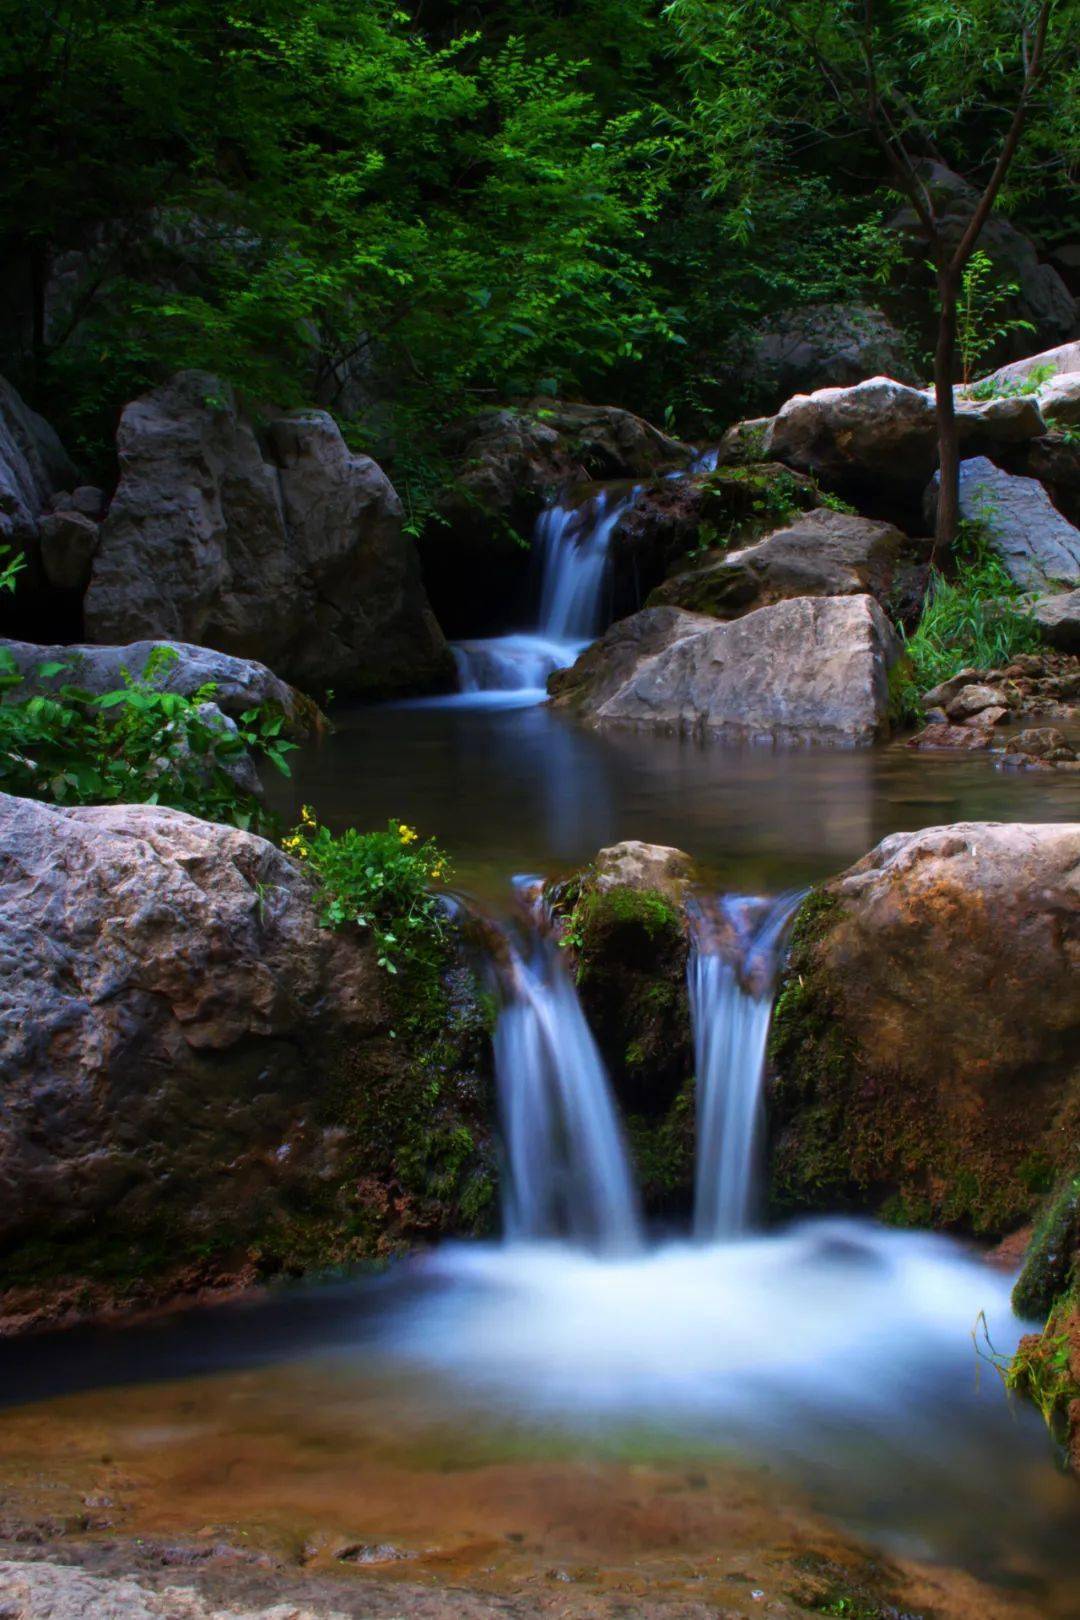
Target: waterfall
pixel 567 1173
pixel 732 976
pixel 571 545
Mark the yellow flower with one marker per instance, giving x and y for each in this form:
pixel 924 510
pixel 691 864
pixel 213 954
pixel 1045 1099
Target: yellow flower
pixel 406 833
pixel 307 815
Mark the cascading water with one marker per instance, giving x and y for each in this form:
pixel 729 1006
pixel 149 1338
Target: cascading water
pixel 571 544
pixel 567 1173
pixel 732 975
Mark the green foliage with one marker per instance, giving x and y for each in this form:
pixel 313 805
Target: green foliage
pixel 982 318
pixel 1013 387
pixel 379 882
pixel 9 569
pixel 137 745
pixel 971 620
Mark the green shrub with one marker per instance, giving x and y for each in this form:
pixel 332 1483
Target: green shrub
pixel 137 745
pixel 972 620
pixel 378 881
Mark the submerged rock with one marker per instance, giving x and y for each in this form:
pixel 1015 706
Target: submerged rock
pixel 286 547
pixel 925 1040
pixel 809 670
pixel 201 1082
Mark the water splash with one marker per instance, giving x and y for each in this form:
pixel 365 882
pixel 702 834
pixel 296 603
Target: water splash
pixel 573 544
pixel 567 1174
pixel 732 976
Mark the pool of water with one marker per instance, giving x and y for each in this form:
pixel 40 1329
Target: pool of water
pixel 528 790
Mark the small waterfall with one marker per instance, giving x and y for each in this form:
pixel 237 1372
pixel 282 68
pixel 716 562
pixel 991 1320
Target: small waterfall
pixel 567 1173
pixel 572 542
pixel 732 977
pixel 507 664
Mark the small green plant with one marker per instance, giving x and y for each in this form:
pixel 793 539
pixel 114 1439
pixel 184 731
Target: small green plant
pixel 8 570
pixel 970 620
pixel 1013 387
pixel 376 881
pixel 136 745
pixel 981 317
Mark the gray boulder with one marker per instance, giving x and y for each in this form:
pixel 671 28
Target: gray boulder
pixel 1038 546
pixel 1065 358
pixel 809 670
pixel 1059 619
pixel 824 346
pixel 292 554
pixel 33 463
pixel 607 664
pixel 240 683
pixel 823 553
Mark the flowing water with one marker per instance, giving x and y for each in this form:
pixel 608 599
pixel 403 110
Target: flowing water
pixel 566 1172
pixel 570 545
pixel 732 976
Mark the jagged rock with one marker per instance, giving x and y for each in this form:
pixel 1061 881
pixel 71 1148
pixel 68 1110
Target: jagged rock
pixel 809 670
pixel 1059 619
pixel 823 346
pixel 297 559
pixel 68 541
pixel 240 683
pixel 1038 546
pixel 33 463
pixel 194 1067
pixel 824 553
pixel 926 1034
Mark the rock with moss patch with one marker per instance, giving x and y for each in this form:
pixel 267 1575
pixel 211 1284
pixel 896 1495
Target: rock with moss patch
pixel 202 1081
pixel 925 1039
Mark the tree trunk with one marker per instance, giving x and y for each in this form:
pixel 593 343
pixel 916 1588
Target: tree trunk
pixel 948 504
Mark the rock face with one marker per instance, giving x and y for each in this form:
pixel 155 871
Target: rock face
pixel 196 1073
pixel 809 670
pixel 240 683
pixel 824 553
pixel 925 1041
pixel 824 346
pixel 287 549
pixel 1038 546
pixel 33 464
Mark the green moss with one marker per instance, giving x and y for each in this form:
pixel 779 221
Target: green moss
pixel 1051 1260
pixel 662 1152
pixel 1045 1367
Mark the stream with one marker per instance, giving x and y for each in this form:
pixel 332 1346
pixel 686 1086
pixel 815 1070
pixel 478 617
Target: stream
pixel 588 1403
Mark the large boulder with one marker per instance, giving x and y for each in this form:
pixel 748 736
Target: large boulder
pixel 239 683
pixel 877 441
pixel 809 670
pixel 925 1043
pixel 823 346
pixel 199 1080
pixel 285 547
pixel 1039 547
pixel 1064 360
pixel 823 553
pixel 33 465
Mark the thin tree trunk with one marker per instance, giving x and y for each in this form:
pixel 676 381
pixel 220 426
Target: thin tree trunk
pixel 948 504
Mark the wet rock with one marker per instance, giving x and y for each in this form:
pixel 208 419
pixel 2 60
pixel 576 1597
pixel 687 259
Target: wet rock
pixel 293 555
pixel 971 701
pixel 824 553
pixel 239 683
pixel 1040 744
pixel 810 670
pixel 68 541
pixel 198 1071
pixel 1059 619
pixel 941 734
pixel 925 1038
pixel 30 1590
pixel 1038 546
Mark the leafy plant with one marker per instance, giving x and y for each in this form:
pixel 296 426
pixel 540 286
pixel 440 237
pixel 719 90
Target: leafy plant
pixel 136 745
pixel 1013 387
pixel 981 319
pixel 969 619
pixel 377 881
pixel 10 569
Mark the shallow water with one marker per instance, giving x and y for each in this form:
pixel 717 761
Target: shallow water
pixel 513 790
